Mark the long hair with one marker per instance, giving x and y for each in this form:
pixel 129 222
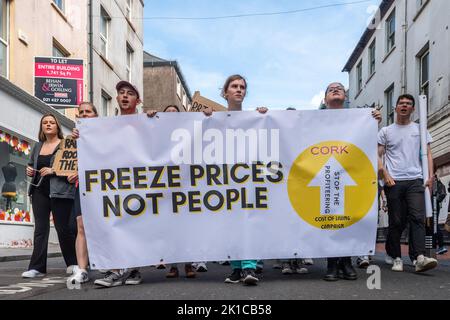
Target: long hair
pixel 229 80
pixel 42 136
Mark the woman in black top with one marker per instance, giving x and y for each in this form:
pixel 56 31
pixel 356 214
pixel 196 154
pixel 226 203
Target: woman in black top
pixel 49 193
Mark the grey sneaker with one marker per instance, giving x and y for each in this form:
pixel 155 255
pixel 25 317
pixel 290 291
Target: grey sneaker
pixel 286 268
pixel 424 263
pixel 111 279
pixel 134 278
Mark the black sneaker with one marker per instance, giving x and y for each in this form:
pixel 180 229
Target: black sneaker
pixel 134 278
pixel 235 277
pixel 249 276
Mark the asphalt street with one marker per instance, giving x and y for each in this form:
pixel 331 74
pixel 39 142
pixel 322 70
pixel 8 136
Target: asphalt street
pixel 433 285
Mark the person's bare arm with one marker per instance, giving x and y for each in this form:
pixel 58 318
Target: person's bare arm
pixel 382 169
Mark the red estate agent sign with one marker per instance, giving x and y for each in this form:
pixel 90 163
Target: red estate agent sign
pixel 58 81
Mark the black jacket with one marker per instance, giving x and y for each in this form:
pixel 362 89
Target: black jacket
pixel 59 186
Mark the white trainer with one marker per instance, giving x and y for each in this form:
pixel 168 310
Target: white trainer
pixel 72 269
pixel 32 274
pixel 424 263
pixel 81 276
pixel 389 260
pixel 308 262
pixel 398 265
pixel 200 267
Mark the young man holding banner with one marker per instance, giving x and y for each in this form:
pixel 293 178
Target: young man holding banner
pixel 399 144
pixel 128 99
pixel 335 99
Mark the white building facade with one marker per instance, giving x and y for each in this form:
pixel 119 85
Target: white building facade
pixel 407 50
pixel 57 28
pixel 117 51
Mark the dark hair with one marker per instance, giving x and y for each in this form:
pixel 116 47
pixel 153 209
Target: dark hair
pixel 42 136
pixel 91 105
pixel 406 96
pixel 172 106
pixel 229 80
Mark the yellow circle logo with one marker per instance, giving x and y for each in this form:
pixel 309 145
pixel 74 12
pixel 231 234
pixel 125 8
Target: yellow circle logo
pixel 332 185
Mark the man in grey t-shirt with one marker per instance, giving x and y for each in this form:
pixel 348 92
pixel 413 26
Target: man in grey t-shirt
pixel 399 145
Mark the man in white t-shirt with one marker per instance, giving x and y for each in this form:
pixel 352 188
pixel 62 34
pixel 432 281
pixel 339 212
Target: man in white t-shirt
pixel 402 172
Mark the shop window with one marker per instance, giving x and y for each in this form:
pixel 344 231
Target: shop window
pixel 14 201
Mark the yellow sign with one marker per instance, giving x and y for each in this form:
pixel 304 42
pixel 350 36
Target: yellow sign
pixel 332 185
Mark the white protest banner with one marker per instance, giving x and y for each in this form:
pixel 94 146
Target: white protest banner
pixel 183 187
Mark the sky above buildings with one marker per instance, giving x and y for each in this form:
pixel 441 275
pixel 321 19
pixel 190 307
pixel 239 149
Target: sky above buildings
pixel 287 59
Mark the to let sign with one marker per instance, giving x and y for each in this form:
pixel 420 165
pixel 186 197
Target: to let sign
pixel 59 81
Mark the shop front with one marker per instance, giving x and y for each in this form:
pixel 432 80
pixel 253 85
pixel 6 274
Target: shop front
pixel 20 115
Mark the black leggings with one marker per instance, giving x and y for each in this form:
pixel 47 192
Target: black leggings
pixel 61 210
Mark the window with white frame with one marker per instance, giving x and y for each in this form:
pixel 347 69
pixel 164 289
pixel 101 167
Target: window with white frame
pixel 359 80
pixel 105 20
pixel 4 38
pixel 390 32
pixel 130 52
pixel 59 4
pixel 129 9
pixel 424 80
pixel 106 101
pixel 390 104
pixel 372 58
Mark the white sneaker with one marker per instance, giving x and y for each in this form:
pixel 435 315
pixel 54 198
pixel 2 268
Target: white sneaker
pixel 424 263
pixel 32 274
pixel 81 276
pixel 363 262
pixel 301 270
pixel 200 267
pixel 398 265
pixel 72 269
pixel 389 260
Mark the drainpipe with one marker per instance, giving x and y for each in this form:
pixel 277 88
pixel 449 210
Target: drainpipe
pixel 404 77
pixel 91 53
